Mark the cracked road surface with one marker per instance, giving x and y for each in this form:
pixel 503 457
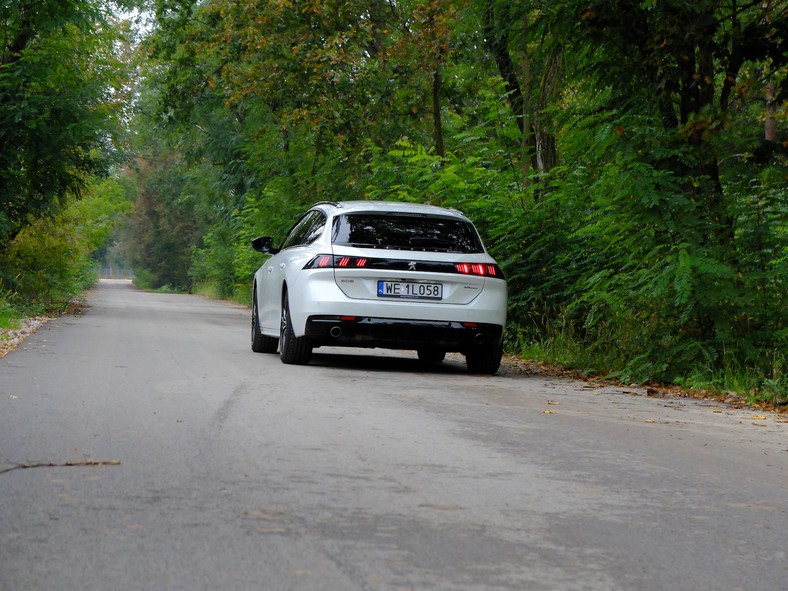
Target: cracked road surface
pixel 163 454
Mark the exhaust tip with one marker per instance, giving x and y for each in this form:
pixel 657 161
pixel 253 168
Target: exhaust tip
pixel 478 339
pixel 335 331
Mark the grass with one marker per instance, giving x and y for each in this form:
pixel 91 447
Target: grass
pixel 9 315
pixel 757 386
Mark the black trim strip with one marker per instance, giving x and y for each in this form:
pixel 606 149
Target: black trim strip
pixel 352 262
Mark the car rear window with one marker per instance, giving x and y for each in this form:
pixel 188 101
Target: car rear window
pixel 406 232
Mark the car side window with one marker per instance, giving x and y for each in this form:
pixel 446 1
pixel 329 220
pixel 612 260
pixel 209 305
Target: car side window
pixel 294 236
pixel 316 229
pixel 306 230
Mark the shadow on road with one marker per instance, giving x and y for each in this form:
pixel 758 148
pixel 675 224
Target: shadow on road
pixel 389 362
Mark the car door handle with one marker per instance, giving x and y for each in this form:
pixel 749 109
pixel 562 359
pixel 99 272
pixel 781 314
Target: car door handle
pixel 282 266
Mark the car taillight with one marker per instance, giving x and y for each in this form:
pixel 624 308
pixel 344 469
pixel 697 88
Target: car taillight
pixel 480 269
pixel 350 262
pixel 328 261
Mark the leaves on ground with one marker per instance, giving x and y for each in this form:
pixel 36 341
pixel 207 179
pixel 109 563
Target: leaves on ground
pixel 12 338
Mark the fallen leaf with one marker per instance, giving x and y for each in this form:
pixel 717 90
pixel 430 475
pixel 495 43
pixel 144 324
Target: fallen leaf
pixel 758 418
pixel 553 402
pixel 548 412
pixel 650 421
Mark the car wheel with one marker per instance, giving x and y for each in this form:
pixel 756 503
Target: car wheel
pixel 261 343
pixel 292 350
pixel 484 358
pixel 431 355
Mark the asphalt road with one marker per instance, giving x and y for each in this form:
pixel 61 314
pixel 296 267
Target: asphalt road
pixel 197 464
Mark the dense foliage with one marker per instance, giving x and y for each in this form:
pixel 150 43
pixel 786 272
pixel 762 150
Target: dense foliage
pixel 62 104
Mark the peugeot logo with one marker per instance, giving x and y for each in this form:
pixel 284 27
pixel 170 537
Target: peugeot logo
pixel 412 266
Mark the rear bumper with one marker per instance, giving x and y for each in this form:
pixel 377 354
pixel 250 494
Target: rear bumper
pixel 393 333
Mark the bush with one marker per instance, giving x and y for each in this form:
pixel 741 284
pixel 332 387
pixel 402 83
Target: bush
pixel 50 261
pixel 9 315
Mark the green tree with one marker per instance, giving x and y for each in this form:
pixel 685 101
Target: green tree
pixel 60 88
pixel 52 258
pixel 664 117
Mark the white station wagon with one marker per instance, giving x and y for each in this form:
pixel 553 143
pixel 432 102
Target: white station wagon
pixel 380 274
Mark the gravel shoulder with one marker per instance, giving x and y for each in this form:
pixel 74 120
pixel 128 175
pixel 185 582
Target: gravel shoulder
pixel 10 338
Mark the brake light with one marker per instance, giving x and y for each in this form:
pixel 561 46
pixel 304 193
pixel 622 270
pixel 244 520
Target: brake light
pixel 327 261
pixel 480 269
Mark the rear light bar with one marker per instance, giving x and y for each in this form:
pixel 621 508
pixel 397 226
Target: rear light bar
pixel 330 261
pixel 481 269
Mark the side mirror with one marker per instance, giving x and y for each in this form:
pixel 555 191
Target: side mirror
pixel 264 244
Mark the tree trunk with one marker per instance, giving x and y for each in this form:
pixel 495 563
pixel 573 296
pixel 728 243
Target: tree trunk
pixel 498 43
pixel 436 112
pixel 538 148
pixel 529 156
pixel 770 131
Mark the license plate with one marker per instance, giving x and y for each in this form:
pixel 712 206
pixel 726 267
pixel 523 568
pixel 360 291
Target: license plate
pixel 409 290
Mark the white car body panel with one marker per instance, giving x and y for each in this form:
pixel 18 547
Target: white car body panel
pixel 338 292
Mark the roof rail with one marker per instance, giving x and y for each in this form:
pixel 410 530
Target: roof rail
pixel 334 203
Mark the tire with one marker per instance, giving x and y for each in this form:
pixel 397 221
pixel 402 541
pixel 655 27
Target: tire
pixel 293 350
pixel 260 343
pixel 431 355
pixel 484 359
